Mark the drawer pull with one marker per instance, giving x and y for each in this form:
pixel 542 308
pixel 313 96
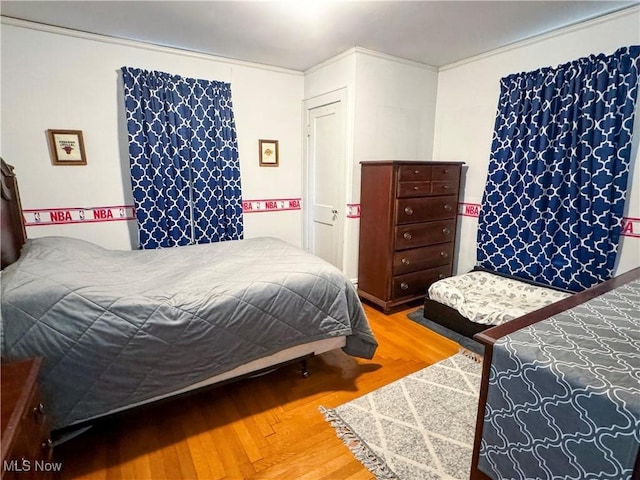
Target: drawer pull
pixel 404 286
pixel 444 254
pixel 448 207
pixel 441 276
pixel 446 230
pixel 416 172
pixel 39 410
pixel 445 187
pixel 416 188
pixel 405 261
pixel 407 236
pixel 446 170
pixel 408 210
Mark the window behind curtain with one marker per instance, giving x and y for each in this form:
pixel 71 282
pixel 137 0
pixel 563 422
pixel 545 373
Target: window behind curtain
pixel 183 154
pixel 555 194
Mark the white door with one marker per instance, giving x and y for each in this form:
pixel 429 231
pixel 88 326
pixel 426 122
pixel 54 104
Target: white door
pixel 325 182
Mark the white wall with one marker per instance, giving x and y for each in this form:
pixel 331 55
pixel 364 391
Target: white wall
pixel 468 97
pixel 395 109
pixel 394 120
pixel 339 73
pixel 390 116
pixel 52 80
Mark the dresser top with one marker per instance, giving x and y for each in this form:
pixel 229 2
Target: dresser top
pixel 411 162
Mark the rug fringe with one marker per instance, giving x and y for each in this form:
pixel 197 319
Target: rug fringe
pixel 476 357
pixel 359 448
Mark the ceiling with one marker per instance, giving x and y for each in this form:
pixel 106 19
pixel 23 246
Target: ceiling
pixel 300 34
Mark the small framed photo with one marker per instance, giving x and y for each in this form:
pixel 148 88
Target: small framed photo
pixel 268 150
pixel 66 147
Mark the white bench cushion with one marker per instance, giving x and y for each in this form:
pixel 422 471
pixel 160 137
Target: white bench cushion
pixel 491 299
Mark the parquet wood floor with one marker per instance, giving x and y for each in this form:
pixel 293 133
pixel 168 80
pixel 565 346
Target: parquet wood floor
pixel 261 428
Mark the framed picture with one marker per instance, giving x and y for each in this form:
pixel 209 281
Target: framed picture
pixel 268 150
pixel 66 147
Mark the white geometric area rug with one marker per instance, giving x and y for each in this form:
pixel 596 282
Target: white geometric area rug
pixel 420 427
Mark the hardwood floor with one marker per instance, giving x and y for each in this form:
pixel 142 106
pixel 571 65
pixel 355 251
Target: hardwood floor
pixel 262 428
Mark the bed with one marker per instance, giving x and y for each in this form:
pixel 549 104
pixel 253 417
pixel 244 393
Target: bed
pixel 475 301
pixel 560 394
pixel 119 329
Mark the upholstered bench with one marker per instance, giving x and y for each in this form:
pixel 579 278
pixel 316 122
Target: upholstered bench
pixel 475 301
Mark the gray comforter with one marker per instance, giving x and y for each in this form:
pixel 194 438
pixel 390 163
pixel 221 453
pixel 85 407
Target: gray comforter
pixel 116 328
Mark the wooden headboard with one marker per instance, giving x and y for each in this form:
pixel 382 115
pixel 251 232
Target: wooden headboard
pixel 12 223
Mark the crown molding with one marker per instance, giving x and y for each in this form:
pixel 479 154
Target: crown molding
pixel 140 45
pixel 627 11
pixel 329 61
pixel 391 58
pixel 370 53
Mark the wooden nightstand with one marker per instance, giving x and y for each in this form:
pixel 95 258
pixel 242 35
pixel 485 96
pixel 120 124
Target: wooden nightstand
pixel 26 445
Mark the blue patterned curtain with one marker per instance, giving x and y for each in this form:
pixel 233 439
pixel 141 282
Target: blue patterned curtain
pixel 554 199
pixel 183 156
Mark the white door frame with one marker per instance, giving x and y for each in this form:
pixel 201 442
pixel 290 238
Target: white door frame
pixel 336 96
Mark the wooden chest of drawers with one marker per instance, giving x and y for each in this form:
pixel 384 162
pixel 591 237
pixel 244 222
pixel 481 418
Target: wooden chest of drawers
pixel 26 444
pixel 408 220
